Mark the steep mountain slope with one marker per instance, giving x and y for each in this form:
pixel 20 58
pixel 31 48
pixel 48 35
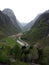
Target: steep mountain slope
pixel 39 30
pixel 12 16
pixel 30 24
pixel 6 25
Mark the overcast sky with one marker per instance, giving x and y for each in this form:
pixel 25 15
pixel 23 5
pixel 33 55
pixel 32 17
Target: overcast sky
pixel 25 10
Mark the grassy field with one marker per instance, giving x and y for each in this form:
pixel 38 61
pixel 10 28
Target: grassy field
pixel 9 42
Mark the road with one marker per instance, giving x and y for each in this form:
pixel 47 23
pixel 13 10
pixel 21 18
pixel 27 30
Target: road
pixel 21 42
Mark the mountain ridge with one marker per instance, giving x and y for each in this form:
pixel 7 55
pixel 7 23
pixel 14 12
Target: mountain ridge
pixel 6 25
pixel 12 16
pixel 39 30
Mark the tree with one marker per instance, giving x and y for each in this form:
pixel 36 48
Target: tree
pixel 45 60
pixel 16 51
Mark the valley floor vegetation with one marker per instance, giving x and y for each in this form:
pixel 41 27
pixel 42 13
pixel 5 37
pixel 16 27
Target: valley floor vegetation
pixel 12 53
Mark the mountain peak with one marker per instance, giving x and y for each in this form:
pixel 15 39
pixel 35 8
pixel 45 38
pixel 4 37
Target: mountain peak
pixel 10 11
pixel 12 17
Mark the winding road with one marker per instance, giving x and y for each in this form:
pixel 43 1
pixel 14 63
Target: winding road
pixel 21 42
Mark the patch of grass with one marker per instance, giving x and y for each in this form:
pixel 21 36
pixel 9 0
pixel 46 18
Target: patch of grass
pixel 9 42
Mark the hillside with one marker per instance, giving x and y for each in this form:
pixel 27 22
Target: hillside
pixel 13 18
pixel 6 25
pixel 39 30
pixel 30 24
